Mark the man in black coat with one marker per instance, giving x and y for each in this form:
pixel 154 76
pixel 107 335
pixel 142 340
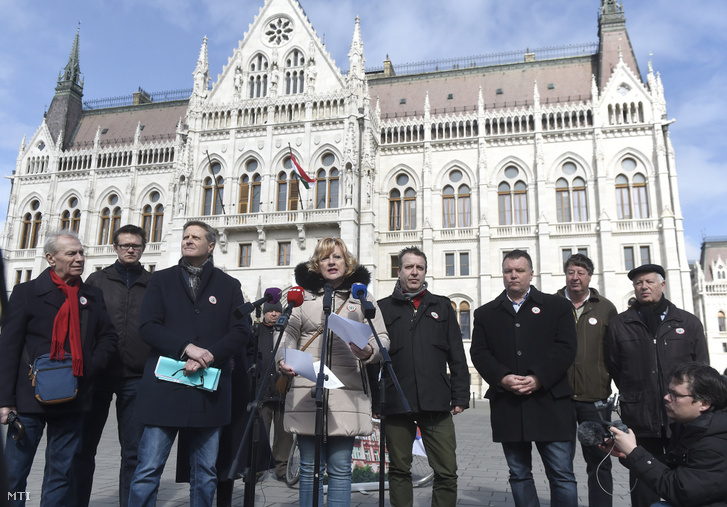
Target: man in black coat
pixel 187 314
pixel 523 343
pixel 425 340
pixel 123 285
pixel 54 313
pixel 643 346
pixel 692 471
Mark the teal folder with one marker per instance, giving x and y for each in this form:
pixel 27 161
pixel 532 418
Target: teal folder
pixel 172 370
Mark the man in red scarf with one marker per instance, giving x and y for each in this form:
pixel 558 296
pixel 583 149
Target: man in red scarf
pixel 56 314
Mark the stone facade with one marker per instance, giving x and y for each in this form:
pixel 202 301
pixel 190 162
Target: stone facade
pixel 709 276
pixel 550 151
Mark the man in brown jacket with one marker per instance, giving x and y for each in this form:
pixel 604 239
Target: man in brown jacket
pixel 588 376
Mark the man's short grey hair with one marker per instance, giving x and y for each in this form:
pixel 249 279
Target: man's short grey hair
pixel 51 240
pixel 209 231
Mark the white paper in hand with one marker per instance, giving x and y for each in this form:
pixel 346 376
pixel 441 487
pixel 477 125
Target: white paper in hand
pixel 302 364
pixel 349 330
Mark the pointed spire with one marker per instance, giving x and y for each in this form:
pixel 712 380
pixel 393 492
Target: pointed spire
pixel 356 60
pixel 480 102
pixel 594 89
pixel 23 144
pixel 70 77
pixel 202 71
pixel 536 96
pixel 427 107
pixel 97 137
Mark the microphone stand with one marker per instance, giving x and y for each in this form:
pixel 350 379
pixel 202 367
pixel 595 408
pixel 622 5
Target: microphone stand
pixel 250 475
pixel 386 369
pixel 254 405
pixel 321 400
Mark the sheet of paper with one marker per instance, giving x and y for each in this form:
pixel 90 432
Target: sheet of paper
pixel 302 364
pixel 350 330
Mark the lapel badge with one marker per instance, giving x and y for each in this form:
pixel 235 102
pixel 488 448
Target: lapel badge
pixel 593 321
pixel 434 315
pixel 83 300
pixel 536 310
pixel 351 307
pixel 213 300
pixel 680 330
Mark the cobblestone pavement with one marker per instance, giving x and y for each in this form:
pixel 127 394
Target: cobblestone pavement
pixel 482 474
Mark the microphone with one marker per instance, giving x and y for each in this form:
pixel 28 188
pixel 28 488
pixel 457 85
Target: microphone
pixel 327 298
pixel 359 292
pixel 592 433
pixel 296 296
pixel 272 295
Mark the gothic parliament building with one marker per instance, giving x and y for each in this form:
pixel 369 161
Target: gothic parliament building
pixel 556 151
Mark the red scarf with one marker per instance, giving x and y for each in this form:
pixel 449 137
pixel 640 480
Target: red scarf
pixel 68 324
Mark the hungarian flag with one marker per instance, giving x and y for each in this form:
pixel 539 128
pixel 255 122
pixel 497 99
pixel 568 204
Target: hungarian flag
pixel 301 173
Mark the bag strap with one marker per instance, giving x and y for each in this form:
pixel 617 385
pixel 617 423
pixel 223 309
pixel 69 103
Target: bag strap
pixel 319 331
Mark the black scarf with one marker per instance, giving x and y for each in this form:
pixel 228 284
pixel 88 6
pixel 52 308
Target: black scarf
pixel 410 295
pixel 195 274
pixel 651 314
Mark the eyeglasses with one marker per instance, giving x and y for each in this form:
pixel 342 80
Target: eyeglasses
pixel 675 396
pixel 127 246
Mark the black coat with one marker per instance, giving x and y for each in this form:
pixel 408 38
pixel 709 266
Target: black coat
pixel 124 306
pixel 640 364
pixel 692 472
pixel 423 343
pixel 30 326
pixel 170 320
pixel 540 339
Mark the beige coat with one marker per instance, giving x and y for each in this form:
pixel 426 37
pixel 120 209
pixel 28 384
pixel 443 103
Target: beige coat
pixel 349 408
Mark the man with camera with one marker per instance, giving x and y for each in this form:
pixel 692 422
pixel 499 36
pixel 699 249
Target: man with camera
pixel 693 470
pixel 643 345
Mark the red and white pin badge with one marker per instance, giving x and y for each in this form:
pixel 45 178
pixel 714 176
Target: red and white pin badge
pixel 351 307
pixel 83 300
pixel 536 310
pixel 680 330
pixel 435 315
pixel 213 300
pixel 593 321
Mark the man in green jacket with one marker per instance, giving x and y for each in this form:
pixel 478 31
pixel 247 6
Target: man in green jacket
pixel 588 376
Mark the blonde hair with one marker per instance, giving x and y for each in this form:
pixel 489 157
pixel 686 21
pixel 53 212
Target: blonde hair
pixel 325 248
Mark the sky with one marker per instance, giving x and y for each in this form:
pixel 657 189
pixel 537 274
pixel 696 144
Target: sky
pixel 154 44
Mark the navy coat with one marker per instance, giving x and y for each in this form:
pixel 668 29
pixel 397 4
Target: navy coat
pixel 540 339
pixel 29 325
pixel 170 320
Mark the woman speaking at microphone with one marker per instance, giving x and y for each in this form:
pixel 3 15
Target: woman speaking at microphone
pixel 348 411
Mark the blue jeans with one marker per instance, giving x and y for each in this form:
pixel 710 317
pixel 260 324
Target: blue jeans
pixel 598 462
pixel 336 457
pixel 62 440
pixel 154 447
pixel 558 463
pixel 84 463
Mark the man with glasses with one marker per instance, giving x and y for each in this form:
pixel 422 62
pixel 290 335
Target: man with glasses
pixel 123 284
pixel 644 345
pixel 693 470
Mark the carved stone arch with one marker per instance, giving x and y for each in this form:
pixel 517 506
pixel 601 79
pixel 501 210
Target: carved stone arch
pixel 389 180
pixel 24 206
pixel 498 174
pixel 241 163
pixel 252 59
pixel 613 167
pixel 289 52
pixel 584 169
pixel 322 150
pixel 203 168
pixel 103 197
pixel 442 175
pixel 62 202
pixel 143 196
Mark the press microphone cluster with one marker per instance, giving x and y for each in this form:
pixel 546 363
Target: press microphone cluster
pixel 592 433
pixel 272 295
pixel 359 292
pixel 295 296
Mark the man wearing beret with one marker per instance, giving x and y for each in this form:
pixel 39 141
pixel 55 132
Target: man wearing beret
pixel 644 345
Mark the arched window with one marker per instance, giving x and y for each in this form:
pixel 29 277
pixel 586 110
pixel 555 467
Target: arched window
pixel 282 191
pixel 294 73
pixel 580 207
pixel 464 209
pixel 105 226
pixel 258 77
pixel 31 230
pixel 464 319
pixel 402 205
pixel 448 214
pixel 394 210
pixel 213 195
pixel 562 200
pixel 327 183
pixel 623 198
pixel 641 204
pixel 631 192
pixel 721 322
pixel 294 199
pixel 152 222
pixel 71 218
pixel 513 205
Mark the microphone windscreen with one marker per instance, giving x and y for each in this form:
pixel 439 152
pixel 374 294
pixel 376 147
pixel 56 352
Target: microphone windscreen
pixel 296 296
pixel 275 293
pixel 591 433
pixel 356 290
